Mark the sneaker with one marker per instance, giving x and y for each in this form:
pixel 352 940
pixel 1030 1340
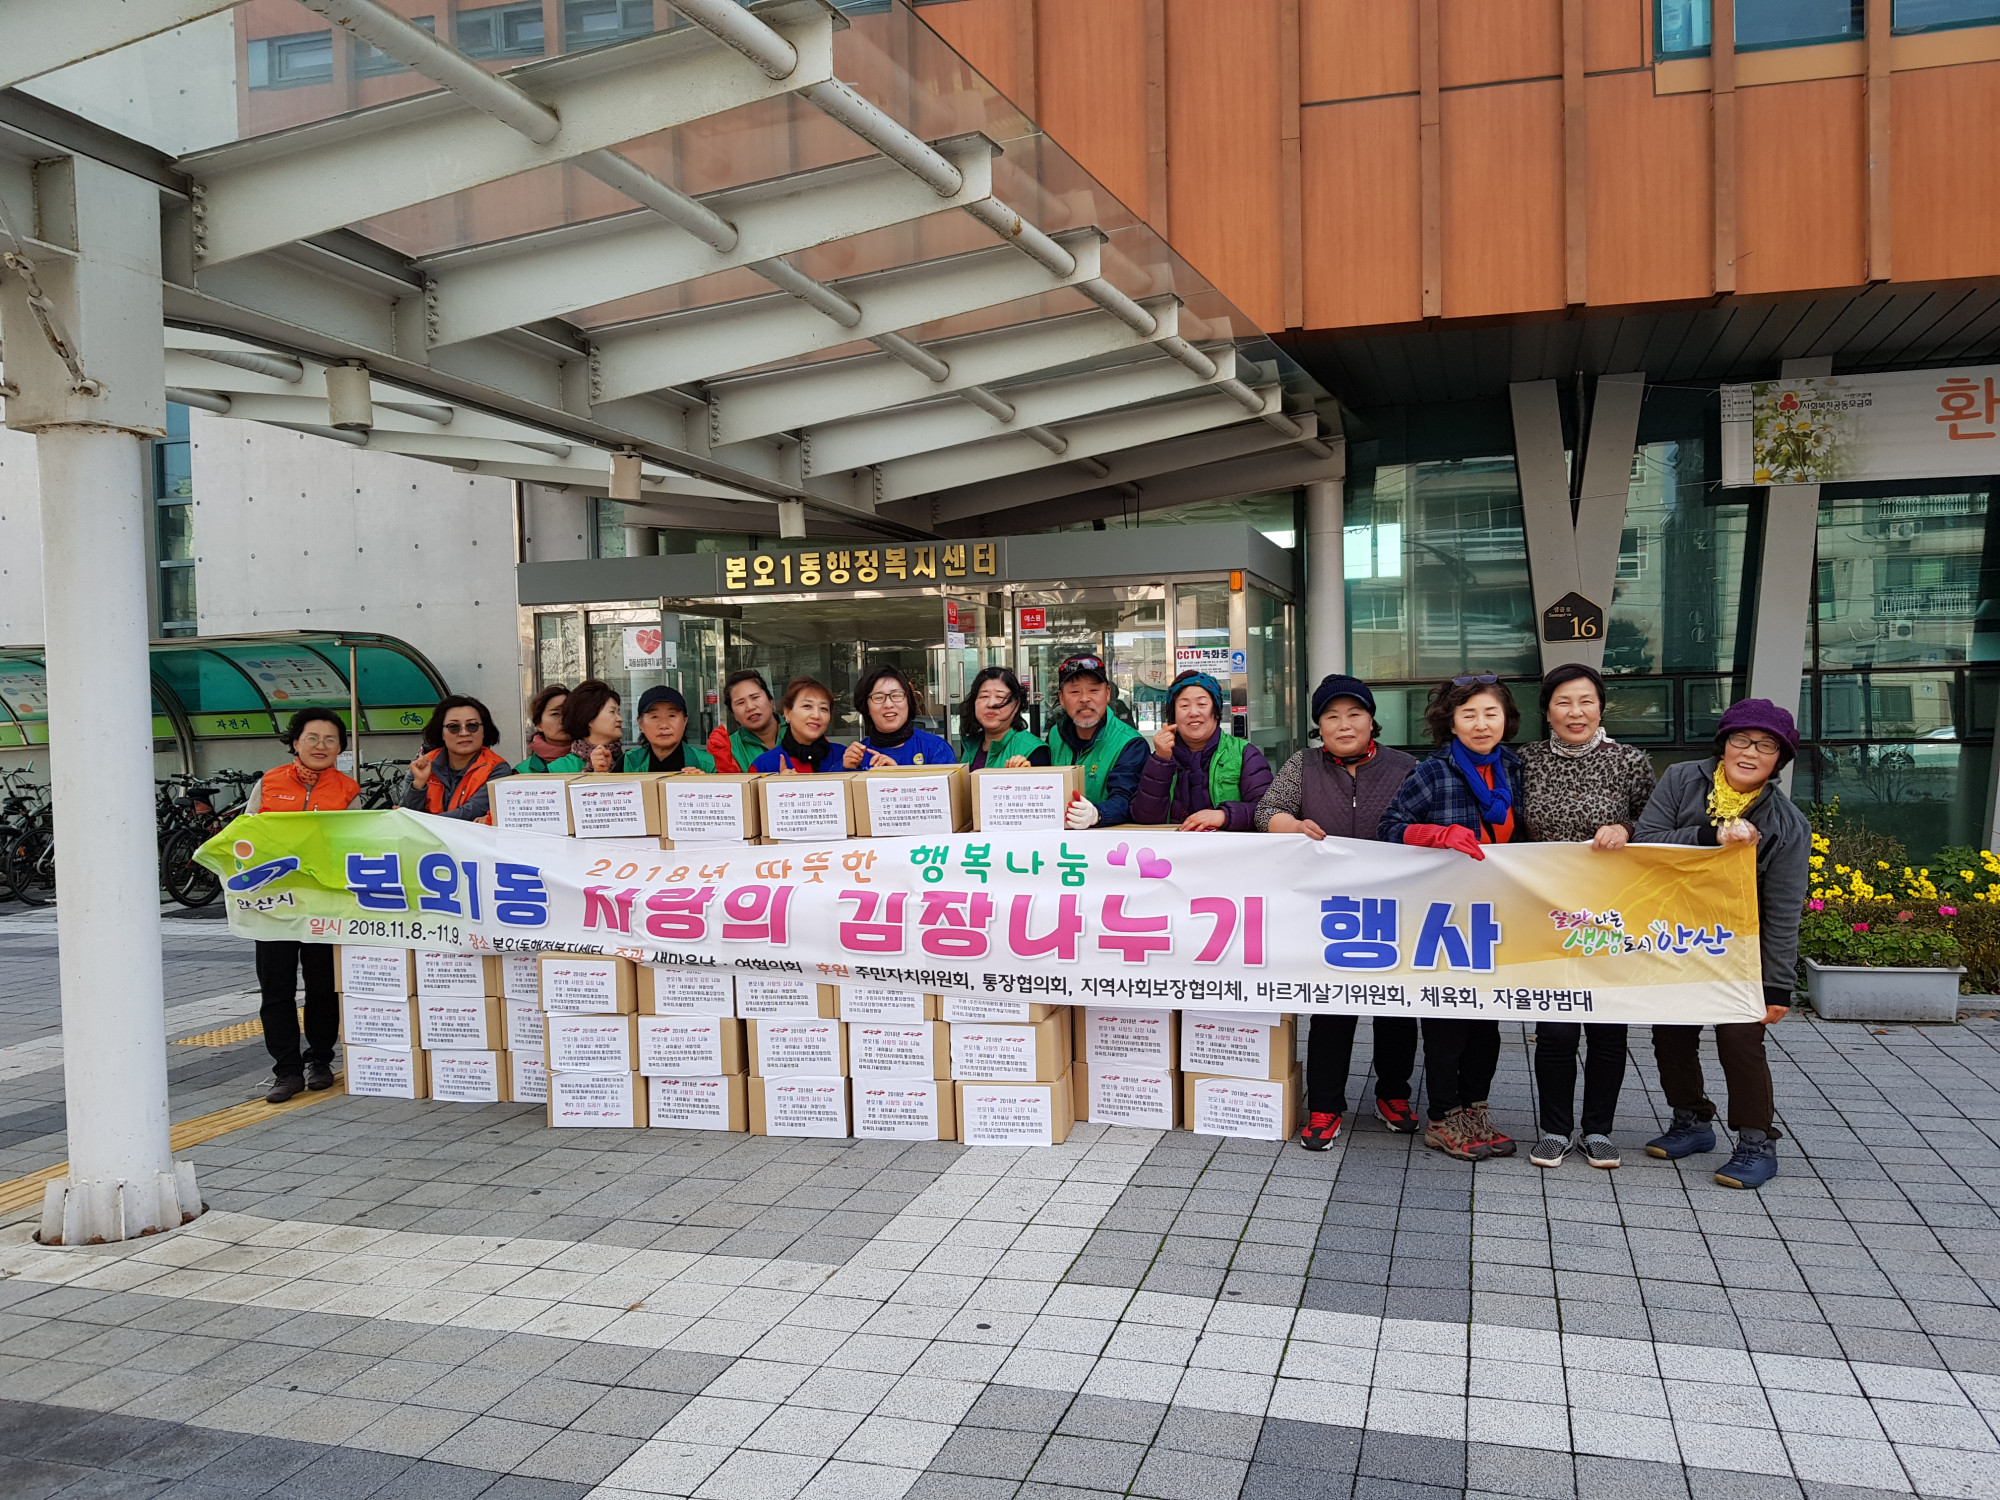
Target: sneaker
pixel 1550 1150
pixel 1687 1136
pixel 1453 1136
pixel 318 1076
pixel 285 1086
pixel 1321 1131
pixel 1754 1164
pixel 1599 1152
pixel 1398 1115
pixel 1479 1120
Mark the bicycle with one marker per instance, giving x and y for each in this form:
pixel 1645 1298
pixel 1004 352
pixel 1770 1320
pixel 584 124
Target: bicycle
pixel 27 838
pixel 382 783
pixel 194 819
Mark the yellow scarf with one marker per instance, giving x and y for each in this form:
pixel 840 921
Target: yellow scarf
pixel 1725 803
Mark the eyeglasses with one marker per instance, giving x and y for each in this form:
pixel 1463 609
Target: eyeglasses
pixel 1485 679
pixel 887 700
pixel 319 742
pixel 1755 742
pixel 469 726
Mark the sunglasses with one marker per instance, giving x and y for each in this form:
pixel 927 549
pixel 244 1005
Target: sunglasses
pixel 1082 664
pixel 474 727
pixel 1485 679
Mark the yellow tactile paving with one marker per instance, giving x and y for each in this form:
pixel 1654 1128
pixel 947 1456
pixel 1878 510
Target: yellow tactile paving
pixel 242 1031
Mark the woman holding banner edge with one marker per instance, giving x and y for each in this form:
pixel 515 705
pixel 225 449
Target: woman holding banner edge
pixel 1461 798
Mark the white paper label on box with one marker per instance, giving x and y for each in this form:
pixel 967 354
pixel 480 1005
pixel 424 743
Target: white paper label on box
pixel 897 1109
pixel 454 1024
pixel 580 986
pixel 1135 1038
pixel 377 1023
pixel 701 811
pixel 1221 1044
pixel 1250 1108
pixel 530 1078
pixel 904 805
pixel 590 1044
pixel 521 976
pixel 890 1049
pixel 531 804
pixel 524 1026
pixel 590 1099
pixel 983 1050
pixel 681 1046
pixel 804 807
pixel 965 1008
pixel 382 1073
pixel 1123 1096
pixel 1021 800
pixel 685 992
pixel 1009 1115
pixel 450 976
pixel 805 1106
pixel 608 809
pixel 757 997
pixel 859 1002
pixel 466 1077
pixel 688 1103
pixel 381 972
pixel 798 1047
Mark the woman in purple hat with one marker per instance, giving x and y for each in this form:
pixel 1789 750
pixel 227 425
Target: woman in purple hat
pixel 1732 797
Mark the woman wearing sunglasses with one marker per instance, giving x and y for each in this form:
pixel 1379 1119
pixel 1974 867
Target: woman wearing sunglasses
pixel 1462 798
pixel 449 779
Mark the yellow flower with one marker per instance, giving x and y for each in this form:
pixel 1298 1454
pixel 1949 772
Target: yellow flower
pixel 1965 874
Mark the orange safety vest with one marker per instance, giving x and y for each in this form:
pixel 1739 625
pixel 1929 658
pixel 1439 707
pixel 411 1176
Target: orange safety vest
pixel 283 791
pixel 483 766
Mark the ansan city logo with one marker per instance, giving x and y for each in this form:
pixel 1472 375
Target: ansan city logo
pixel 249 877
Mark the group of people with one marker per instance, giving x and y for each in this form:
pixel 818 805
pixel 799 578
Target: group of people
pixel 1577 786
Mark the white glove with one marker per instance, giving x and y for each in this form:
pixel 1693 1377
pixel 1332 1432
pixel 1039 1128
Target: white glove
pixel 1082 814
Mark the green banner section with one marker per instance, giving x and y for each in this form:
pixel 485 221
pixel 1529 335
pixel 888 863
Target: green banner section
pixel 277 867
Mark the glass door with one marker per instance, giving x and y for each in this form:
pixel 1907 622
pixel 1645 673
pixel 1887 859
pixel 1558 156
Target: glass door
pixel 1130 634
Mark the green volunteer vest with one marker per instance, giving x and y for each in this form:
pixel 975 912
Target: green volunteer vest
pixel 1016 742
pixel 746 747
pixel 1225 772
pixel 698 759
pixel 1098 756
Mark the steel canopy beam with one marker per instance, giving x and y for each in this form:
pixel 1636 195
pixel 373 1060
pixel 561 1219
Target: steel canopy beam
pixel 264 192
pixel 39 36
pixel 710 341
pixel 483 290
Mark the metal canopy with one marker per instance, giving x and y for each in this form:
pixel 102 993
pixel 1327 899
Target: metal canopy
pixel 778 252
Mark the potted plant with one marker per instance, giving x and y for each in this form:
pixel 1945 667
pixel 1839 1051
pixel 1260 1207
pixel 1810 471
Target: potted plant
pixel 1874 954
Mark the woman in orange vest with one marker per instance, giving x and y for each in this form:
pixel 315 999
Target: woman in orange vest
pixel 310 782
pixel 449 779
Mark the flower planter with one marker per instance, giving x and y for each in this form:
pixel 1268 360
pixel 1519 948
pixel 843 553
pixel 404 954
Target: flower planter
pixel 1841 992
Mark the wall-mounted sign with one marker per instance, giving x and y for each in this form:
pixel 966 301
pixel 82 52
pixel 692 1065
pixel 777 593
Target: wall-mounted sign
pixel 1034 621
pixel 906 566
pixel 1905 424
pixel 647 649
pixel 1573 618
pixel 1213 660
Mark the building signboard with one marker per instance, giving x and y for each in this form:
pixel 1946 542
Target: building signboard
pixel 1900 424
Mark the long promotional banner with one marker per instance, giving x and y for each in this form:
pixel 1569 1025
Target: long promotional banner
pixel 1901 424
pixel 1210 921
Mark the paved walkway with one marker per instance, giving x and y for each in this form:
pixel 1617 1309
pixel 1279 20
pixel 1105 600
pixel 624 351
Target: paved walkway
pixel 393 1299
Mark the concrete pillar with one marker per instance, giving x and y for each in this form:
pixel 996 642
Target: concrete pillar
pixel 1326 579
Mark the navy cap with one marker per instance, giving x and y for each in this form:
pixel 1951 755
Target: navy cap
pixel 1339 685
pixel 653 697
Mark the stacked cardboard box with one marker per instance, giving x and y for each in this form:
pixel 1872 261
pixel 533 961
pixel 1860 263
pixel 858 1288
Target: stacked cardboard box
pixel 1127 1069
pixel 1010 1065
pixel 899 1059
pixel 591 1040
pixel 1240 1074
pixel 691 1050
pixel 379 1024
pixel 462 1024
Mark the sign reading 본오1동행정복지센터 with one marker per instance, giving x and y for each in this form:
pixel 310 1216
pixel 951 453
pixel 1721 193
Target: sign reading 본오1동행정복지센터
pixel 1904 424
pixel 1271 922
pixel 905 565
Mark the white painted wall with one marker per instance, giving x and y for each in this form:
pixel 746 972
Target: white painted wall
pixel 20 541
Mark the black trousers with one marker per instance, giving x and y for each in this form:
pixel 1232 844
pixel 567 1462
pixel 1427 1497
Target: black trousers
pixel 278 966
pixel 1555 1074
pixel 1739 1047
pixel 1330 1049
pixel 1459 1060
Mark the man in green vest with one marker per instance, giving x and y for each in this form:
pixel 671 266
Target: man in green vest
pixel 1089 735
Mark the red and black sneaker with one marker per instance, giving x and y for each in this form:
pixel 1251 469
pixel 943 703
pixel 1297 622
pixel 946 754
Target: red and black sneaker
pixel 1397 1115
pixel 1321 1131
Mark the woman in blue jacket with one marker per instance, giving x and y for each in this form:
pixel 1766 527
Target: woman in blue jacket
pixel 889 735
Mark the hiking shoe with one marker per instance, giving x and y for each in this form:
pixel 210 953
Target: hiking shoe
pixel 1754 1164
pixel 1397 1115
pixel 1453 1136
pixel 1480 1122
pixel 1599 1152
pixel 285 1086
pixel 1550 1150
pixel 318 1076
pixel 1320 1132
pixel 1687 1136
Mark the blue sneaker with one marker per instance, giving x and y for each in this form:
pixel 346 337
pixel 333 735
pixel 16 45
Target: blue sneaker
pixel 1685 1137
pixel 1754 1164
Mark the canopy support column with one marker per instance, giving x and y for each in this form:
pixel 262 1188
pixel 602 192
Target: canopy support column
pixel 1326 578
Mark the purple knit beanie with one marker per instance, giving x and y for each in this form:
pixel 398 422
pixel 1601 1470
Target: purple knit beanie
pixel 1761 713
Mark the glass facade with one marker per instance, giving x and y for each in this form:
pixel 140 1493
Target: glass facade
pixel 1943 15
pixel 1681 27
pixel 173 526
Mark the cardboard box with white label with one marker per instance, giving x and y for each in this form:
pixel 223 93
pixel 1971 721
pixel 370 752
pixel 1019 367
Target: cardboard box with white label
pixel 1128 1038
pixel 798 1104
pixel 1257 1109
pixel 378 973
pixel 532 804
pixel 592 1044
pixel 456 976
pixel 910 801
pixel 588 984
pixel 471 1077
pixel 388 1073
pixel 1113 1094
pixel 982 1008
pixel 525 1031
pixel 1239 1046
pixel 382 1023
pixel 719 809
pixel 685 992
pixel 995 1050
pixel 698 1103
pixel 905 1109
pixel 812 1046
pixel 521 977
pixel 899 1049
pixel 861 1002
pixel 690 1046
pixel 1024 801
pixel 607 1100
pixel 477 1025
pixel 615 805
pixel 1015 1114
pixel 762 997
pixel 806 808
pixel 528 1077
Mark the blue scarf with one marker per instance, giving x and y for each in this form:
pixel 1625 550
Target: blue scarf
pixel 1495 801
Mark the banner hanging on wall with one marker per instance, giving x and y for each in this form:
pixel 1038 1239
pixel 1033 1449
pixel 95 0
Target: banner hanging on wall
pixel 1137 917
pixel 1823 429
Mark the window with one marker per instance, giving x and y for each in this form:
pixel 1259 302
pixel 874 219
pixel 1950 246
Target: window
pixel 282 62
pixel 502 31
pixel 173 525
pixel 1941 15
pixel 372 62
pixel 1681 27
pixel 598 23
